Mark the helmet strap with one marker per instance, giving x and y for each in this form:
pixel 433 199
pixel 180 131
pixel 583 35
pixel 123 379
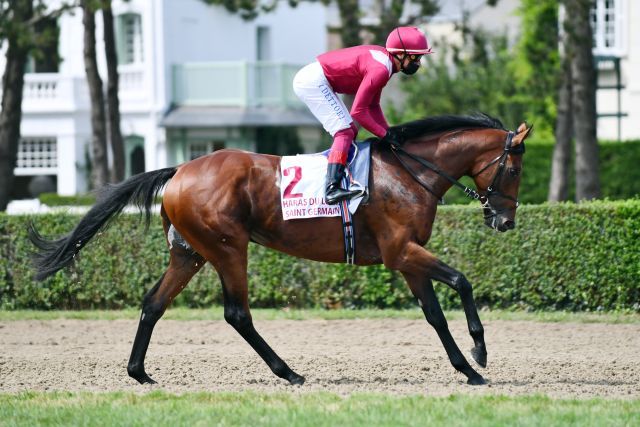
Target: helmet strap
pixel 400 60
pixel 403 48
pixel 401 42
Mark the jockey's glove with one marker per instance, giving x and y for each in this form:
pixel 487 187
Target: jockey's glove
pixel 393 137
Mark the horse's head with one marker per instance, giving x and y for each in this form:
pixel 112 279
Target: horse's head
pixel 497 176
pixel 477 146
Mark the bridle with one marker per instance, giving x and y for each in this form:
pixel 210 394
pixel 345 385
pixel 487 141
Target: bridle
pixel 492 190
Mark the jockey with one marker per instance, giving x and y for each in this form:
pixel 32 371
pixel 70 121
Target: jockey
pixel 361 71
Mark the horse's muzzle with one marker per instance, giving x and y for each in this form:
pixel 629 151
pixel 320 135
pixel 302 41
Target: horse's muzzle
pixel 505 224
pixel 499 222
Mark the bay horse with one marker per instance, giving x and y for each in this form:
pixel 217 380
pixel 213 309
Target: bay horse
pixel 220 202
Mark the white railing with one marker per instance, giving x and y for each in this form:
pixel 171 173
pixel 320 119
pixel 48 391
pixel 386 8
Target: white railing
pixel 51 92
pixel 131 78
pixel 40 86
pixel 235 84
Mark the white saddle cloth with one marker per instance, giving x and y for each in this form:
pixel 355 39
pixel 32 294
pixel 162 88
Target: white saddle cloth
pixel 303 184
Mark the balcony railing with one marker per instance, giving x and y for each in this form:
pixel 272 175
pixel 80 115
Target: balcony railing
pixel 44 92
pixel 241 84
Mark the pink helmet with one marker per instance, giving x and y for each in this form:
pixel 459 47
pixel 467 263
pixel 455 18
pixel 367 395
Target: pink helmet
pixel 407 40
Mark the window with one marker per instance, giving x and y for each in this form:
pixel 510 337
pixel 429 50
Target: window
pixel 263 52
pixel 134 155
pixel 202 148
pixel 607 21
pixel 46 59
pixel 129 38
pixel 36 153
pixel 136 161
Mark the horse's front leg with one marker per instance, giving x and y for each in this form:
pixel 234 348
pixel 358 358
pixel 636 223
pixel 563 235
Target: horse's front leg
pixel 415 263
pixel 422 289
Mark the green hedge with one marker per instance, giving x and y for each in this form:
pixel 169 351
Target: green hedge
pixel 619 173
pixel 54 199
pixel 567 256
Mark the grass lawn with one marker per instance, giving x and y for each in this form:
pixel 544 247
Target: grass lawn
pixel 216 313
pixel 316 409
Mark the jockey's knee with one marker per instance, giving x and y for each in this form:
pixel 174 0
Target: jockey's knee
pixel 340 147
pixel 347 133
pixel 354 128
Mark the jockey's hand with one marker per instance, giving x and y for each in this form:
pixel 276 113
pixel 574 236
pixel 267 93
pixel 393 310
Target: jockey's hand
pixel 393 137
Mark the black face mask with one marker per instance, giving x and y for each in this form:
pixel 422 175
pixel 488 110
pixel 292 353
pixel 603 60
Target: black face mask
pixel 411 68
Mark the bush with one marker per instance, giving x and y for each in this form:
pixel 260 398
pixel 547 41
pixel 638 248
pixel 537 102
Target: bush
pixel 566 256
pixel 53 199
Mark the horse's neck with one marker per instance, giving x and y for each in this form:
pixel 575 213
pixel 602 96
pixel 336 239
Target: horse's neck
pixel 453 153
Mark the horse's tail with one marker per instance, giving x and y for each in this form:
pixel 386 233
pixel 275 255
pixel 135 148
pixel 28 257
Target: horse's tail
pixel 140 190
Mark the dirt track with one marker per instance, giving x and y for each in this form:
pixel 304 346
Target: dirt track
pixel 394 356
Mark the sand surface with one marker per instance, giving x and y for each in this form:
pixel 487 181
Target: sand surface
pixel 342 356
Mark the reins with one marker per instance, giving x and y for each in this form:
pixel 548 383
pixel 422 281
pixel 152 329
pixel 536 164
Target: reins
pixel 492 190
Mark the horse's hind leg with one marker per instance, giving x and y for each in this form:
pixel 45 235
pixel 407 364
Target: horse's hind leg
pixel 230 260
pixel 182 267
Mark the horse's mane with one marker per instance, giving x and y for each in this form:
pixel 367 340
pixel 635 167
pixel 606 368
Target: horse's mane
pixel 445 123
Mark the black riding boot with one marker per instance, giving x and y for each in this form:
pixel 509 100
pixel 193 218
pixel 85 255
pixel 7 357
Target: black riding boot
pixel 333 193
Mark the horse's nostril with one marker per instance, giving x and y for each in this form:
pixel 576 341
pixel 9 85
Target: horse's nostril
pixel 509 225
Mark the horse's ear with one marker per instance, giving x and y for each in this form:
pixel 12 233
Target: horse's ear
pixel 522 133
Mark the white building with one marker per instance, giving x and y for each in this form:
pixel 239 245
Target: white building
pixel 617 45
pixel 193 78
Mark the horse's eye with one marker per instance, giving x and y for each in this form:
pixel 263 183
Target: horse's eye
pixel 514 171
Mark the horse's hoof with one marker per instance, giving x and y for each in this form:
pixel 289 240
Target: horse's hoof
pixel 476 380
pixel 142 378
pixel 479 354
pixel 296 379
pixel 148 380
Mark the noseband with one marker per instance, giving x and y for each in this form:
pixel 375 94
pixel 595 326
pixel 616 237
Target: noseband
pixel 492 190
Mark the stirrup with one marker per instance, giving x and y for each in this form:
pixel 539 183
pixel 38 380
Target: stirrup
pixel 334 194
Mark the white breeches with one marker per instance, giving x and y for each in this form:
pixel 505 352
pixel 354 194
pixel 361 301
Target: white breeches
pixel 313 89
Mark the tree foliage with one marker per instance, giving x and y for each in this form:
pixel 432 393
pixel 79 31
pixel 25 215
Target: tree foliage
pixel 536 61
pixel 478 77
pixel 484 73
pixel 248 9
